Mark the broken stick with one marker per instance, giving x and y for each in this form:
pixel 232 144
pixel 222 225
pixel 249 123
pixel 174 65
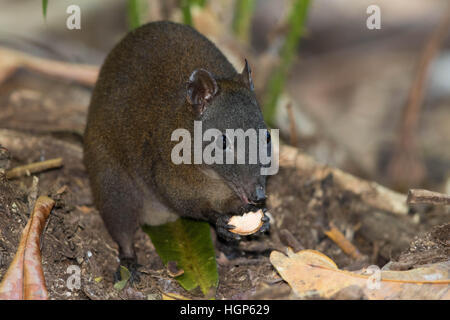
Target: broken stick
pixel 34 168
pixel 12 60
pixel 370 192
pixel 342 242
pixel 426 196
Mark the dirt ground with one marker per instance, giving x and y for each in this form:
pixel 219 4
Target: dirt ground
pixel 43 118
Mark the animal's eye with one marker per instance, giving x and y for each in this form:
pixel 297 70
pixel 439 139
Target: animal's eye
pixel 268 136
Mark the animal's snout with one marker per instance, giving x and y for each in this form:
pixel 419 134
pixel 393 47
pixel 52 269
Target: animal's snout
pixel 259 195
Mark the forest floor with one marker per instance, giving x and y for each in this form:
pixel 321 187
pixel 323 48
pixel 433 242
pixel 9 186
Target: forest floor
pixel 42 118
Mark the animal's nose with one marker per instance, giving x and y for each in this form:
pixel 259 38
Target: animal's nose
pixel 259 195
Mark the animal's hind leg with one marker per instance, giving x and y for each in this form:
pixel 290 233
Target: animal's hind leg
pixel 119 203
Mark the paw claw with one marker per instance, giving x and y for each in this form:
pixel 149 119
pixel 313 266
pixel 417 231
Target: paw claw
pixel 223 229
pixel 230 227
pixel 266 226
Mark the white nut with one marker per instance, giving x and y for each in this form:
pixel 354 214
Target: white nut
pixel 248 223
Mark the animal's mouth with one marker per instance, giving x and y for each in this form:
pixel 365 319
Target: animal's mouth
pixel 247 205
pixel 242 195
pixel 250 217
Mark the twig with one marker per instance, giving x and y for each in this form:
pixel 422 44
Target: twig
pixel 288 239
pixel 275 86
pixel 34 168
pixel 33 192
pixel 405 164
pixel 370 192
pixel 342 242
pixel 246 261
pixel 172 269
pixel 426 196
pixel 12 60
pixel 292 125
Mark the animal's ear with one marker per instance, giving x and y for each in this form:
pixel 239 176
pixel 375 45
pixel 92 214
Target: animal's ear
pixel 201 89
pixel 246 76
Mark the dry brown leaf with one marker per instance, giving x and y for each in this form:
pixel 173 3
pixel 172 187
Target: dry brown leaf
pixel 25 277
pixel 311 273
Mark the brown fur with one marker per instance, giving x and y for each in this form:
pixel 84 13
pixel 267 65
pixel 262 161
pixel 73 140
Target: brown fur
pixel 139 100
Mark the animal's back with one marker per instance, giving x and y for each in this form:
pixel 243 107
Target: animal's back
pixel 153 63
pixel 142 87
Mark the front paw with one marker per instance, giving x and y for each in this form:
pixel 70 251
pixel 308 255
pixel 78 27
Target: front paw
pixel 223 229
pixel 132 266
pixel 266 222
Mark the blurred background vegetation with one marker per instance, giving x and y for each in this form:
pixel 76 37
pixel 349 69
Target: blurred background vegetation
pixel 336 89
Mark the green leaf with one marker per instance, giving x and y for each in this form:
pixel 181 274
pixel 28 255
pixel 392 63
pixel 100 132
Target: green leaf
pixel 188 242
pixel 44 8
pixel 125 276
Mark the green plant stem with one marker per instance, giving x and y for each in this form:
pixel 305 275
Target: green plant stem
pixel 296 22
pixel 44 8
pixel 243 13
pixel 135 9
pixel 186 6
